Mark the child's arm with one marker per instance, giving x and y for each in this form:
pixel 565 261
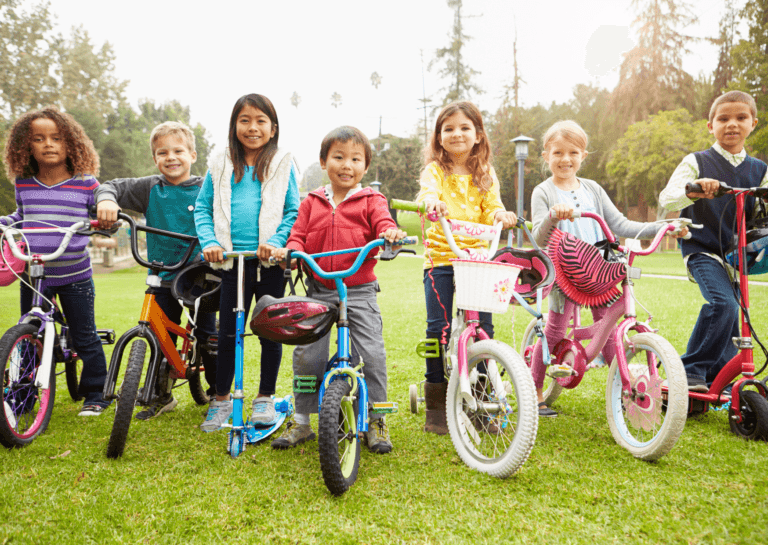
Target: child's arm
pixel 674 198
pixel 543 225
pixel 129 193
pixel 431 183
pixel 493 209
pixel 212 250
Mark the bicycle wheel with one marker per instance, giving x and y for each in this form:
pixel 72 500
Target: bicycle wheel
pixel 637 420
pixel 127 399
pixel 196 385
pixel 551 388
pixel 337 438
pixel 754 410
pixel 26 408
pixel 498 437
pixel 72 370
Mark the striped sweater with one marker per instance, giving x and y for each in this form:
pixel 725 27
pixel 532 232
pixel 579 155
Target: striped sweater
pixel 63 204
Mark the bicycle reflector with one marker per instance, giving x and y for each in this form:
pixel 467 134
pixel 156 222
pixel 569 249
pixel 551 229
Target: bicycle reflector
pixel 10 265
pixel 536 271
pixel 757 252
pixel 198 281
pixel 293 319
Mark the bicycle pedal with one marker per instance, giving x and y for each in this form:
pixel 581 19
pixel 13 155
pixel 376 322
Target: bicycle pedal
pixel 387 407
pixel 305 384
pixel 560 371
pixel 429 348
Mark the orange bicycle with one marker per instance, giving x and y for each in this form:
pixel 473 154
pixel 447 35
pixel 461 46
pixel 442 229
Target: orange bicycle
pixel 165 363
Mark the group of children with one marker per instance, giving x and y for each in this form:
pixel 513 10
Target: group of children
pixel 249 199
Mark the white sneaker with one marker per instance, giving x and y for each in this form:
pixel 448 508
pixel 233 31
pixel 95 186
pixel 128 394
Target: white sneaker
pixel 264 413
pixel 219 412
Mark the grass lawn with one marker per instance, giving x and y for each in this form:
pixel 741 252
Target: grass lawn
pixel 176 484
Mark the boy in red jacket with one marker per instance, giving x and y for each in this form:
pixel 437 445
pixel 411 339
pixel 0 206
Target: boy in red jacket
pixel 338 216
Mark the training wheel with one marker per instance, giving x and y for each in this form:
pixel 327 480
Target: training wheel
pixel 413 393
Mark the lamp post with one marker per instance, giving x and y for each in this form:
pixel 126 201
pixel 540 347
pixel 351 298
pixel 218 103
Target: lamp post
pixel 521 152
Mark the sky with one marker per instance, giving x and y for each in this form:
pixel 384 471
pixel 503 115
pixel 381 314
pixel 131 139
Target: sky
pixel 207 55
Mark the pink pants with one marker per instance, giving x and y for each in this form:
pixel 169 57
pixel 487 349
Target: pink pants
pixel 555 330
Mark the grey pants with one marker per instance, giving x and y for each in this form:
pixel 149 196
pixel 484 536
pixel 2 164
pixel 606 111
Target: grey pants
pixel 367 343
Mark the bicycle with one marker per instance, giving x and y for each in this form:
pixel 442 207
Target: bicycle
pixel 748 410
pixel 646 389
pixel 491 400
pixel 343 392
pixel 30 350
pixel 166 362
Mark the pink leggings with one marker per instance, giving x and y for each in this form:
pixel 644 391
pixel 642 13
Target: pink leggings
pixel 554 331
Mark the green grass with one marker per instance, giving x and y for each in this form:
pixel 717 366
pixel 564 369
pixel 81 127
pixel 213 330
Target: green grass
pixel 176 484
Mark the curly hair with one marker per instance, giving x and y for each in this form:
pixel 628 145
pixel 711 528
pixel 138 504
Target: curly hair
pixel 81 155
pixel 479 160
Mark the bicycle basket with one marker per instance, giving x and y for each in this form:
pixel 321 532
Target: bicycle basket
pixel 757 252
pixel 293 319
pixel 536 271
pixel 198 281
pixel 10 265
pixel 484 286
pixel 582 273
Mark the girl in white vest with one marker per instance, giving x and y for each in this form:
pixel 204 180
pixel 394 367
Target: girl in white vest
pixel 249 200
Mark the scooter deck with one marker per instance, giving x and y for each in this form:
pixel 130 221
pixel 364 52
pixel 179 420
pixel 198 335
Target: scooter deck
pixel 255 433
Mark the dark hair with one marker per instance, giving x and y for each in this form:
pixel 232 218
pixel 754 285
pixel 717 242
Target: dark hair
pixel 733 96
pixel 81 155
pixel 267 152
pixel 345 134
pixel 479 160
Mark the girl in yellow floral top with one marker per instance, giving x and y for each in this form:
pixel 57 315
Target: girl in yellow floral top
pixel 459 182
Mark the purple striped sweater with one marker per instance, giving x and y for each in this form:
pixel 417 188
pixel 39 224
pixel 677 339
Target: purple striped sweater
pixel 63 204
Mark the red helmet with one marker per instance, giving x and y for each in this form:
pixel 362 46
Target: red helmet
pixel 536 271
pixel 293 319
pixel 10 265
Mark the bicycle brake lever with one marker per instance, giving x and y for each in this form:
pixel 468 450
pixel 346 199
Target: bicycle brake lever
pixel 389 254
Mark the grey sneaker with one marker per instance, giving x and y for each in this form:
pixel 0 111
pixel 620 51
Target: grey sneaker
pixel 377 437
pixel 263 412
pixel 159 407
pixel 294 434
pixel 219 412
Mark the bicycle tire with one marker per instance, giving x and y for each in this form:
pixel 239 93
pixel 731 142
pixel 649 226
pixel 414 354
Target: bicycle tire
pixel 196 388
pixel 72 370
pixel 640 425
pixel 490 439
pixel 26 410
pixel 337 439
pixel 754 410
pixel 127 399
pixel 551 389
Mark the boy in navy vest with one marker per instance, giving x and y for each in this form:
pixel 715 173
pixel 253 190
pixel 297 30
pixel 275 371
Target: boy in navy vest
pixel 167 200
pixel 732 118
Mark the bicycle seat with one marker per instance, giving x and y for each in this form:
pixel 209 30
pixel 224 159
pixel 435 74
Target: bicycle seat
pixel 293 320
pixel 582 273
pixel 536 271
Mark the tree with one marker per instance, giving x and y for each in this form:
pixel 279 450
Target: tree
pixel 648 153
pixel 459 74
pixel 724 70
pixel 399 167
pixel 313 177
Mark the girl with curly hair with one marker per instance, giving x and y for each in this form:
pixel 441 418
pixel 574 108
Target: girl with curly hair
pixel 53 164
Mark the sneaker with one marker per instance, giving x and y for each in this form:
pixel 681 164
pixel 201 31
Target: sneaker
pixel 264 413
pixel 91 410
pixel 597 363
pixel 294 434
pixel 157 408
pixel 696 384
pixel 377 437
pixel 219 412
pixel 545 411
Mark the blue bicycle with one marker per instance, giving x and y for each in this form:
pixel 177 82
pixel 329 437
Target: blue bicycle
pixel 343 392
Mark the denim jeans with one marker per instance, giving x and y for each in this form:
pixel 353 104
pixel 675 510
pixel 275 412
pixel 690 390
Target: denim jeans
pixel 271 283
pixel 439 315
pixel 76 301
pixel 710 346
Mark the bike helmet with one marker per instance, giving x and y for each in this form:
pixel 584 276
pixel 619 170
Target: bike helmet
pixel 757 252
pixel 10 265
pixel 198 281
pixel 581 272
pixel 293 319
pixel 536 271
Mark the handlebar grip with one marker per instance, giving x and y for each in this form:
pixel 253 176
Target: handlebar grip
pixel 693 187
pixel 574 215
pixel 409 206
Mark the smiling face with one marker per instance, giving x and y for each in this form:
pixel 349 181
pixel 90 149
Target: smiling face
pixel 458 136
pixel 253 130
pixel 345 166
pixel 564 159
pixel 47 145
pixel 173 158
pixel 731 125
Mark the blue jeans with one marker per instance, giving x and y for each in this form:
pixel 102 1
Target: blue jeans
pixel 271 283
pixel 710 346
pixel 76 302
pixel 439 320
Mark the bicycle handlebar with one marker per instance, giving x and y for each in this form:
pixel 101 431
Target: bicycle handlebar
pixel 74 229
pixel 725 189
pixel 421 208
pixel 156 265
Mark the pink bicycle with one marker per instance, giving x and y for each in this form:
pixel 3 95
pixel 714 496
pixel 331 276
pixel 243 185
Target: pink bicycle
pixel 646 393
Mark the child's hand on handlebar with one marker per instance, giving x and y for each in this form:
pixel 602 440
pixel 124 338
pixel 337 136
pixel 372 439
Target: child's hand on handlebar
pixel 106 213
pixel 393 235
pixel 278 256
pixel 508 219
pixel 709 189
pixel 561 212
pixel 264 251
pixel 438 207
pixel 214 254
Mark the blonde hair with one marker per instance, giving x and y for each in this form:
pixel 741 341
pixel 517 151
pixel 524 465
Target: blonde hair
pixel 173 128
pixel 733 96
pixel 567 130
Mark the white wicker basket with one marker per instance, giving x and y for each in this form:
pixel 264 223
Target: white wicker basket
pixel 485 286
